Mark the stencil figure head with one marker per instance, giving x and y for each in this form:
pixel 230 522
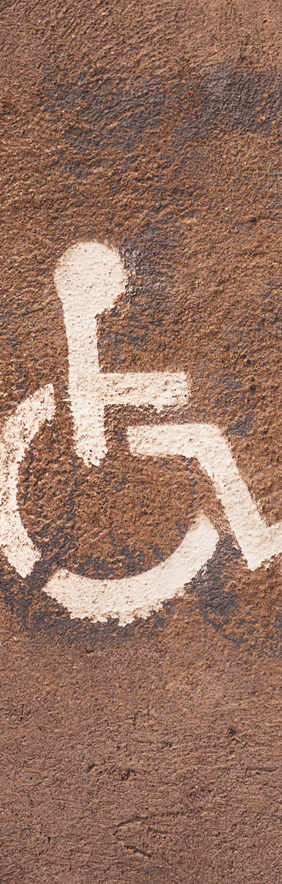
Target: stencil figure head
pixel 90 275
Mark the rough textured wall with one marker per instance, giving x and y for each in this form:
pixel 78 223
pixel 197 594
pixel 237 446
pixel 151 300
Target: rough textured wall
pixel 150 751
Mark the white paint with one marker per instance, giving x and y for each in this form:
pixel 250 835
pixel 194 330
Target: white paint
pixel 258 541
pixel 130 597
pixel 15 438
pixel 89 278
pixel 160 389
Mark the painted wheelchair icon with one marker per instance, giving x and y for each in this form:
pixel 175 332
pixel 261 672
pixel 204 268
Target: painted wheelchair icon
pixel 89 277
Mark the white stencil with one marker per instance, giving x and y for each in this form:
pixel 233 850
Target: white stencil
pixel 89 277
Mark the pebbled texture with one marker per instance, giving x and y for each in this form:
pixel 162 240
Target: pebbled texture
pixel 152 752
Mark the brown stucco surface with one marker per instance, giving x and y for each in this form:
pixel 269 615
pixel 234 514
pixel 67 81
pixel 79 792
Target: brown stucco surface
pixel 150 752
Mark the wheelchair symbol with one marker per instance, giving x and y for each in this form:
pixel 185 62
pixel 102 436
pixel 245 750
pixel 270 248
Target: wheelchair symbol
pixel 89 278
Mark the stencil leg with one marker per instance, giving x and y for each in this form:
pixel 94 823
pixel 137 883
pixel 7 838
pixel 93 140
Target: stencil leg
pixel 258 541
